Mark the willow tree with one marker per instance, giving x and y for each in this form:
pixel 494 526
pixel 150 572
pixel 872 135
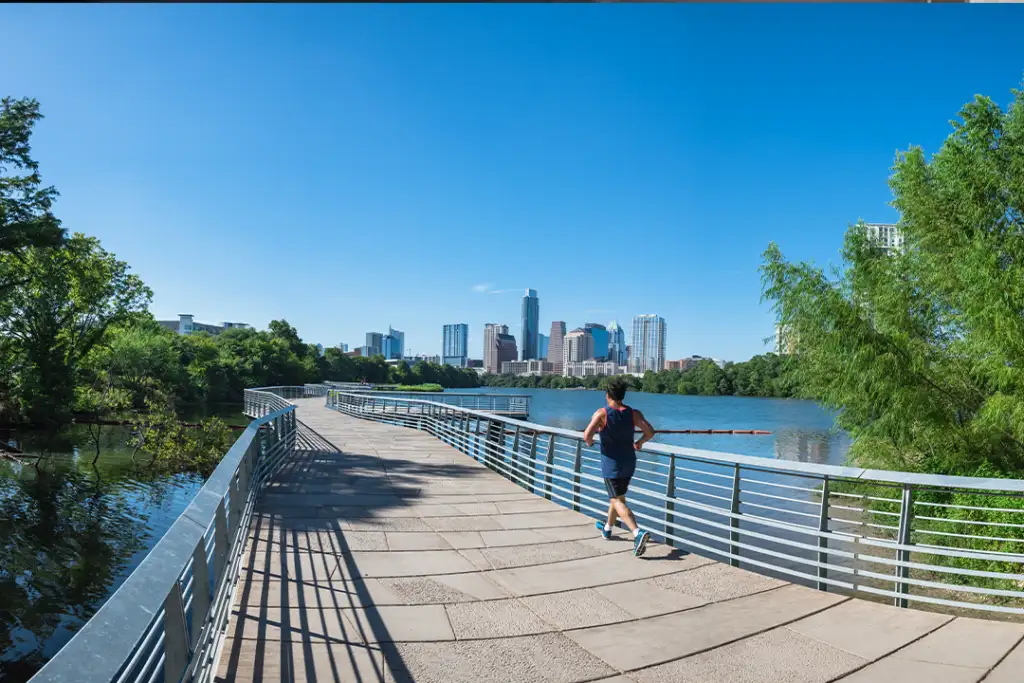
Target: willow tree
pixel 922 348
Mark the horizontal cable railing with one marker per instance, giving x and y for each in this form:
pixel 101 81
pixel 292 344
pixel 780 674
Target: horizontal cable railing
pixel 166 621
pixel 930 540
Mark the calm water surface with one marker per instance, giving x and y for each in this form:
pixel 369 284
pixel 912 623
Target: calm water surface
pixel 801 430
pixel 70 533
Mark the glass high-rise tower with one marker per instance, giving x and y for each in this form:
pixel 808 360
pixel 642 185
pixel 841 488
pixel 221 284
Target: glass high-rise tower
pixel 616 343
pixel 530 326
pixel 648 349
pixel 455 345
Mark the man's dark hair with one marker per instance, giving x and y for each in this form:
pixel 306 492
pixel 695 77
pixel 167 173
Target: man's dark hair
pixel 616 390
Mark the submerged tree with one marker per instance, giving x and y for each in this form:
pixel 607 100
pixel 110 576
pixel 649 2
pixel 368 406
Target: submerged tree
pixel 922 348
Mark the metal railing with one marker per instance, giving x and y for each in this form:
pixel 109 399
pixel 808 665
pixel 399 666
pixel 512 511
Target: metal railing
pixel 949 542
pixel 262 400
pixel 166 621
pixel 358 386
pixel 515 405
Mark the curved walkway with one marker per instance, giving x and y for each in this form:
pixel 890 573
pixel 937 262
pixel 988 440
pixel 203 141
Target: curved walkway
pixel 381 554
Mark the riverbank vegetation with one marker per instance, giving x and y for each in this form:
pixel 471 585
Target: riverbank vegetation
pixel 765 375
pixel 77 338
pixel 920 348
pixel 418 387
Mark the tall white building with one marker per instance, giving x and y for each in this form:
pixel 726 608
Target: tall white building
pixel 886 235
pixel 648 348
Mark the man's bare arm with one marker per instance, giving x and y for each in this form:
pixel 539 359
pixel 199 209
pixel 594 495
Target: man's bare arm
pixel 596 422
pixel 641 423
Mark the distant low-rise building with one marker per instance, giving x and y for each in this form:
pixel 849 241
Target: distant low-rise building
pixel 526 367
pixel 436 360
pixel 785 340
pixel 592 368
pixel 475 363
pixel 887 236
pixel 691 362
pixel 186 324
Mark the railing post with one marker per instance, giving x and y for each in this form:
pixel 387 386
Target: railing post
pixel 549 476
pixel 734 522
pixel 533 463
pixel 822 541
pixel 200 591
pixel 220 544
pixel 577 468
pixel 176 649
pixel 515 456
pixel 670 506
pixel 903 538
pixel 495 443
pixel 464 433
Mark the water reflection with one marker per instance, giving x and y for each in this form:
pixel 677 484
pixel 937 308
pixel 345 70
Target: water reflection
pixel 71 533
pixel 809 446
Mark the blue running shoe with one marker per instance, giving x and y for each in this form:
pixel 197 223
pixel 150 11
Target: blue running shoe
pixel 640 543
pixel 600 527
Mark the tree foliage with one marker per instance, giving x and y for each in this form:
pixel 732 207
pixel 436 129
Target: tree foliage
pixel 922 350
pixel 66 299
pixel 26 219
pixel 765 375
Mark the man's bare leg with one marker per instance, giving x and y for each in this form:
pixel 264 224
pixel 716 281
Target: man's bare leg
pixel 618 507
pixel 612 516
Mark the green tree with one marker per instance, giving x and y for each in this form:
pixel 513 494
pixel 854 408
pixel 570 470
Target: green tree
pixel 922 350
pixel 26 219
pixel 67 298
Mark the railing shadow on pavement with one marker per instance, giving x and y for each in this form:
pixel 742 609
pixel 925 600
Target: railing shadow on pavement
pixel 294 546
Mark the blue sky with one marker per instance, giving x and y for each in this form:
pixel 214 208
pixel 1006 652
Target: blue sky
pixel 351 167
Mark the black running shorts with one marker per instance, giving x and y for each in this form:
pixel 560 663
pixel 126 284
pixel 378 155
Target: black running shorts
pixel 617 487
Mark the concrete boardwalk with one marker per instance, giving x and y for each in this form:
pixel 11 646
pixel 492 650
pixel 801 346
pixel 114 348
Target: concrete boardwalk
pixel 381 554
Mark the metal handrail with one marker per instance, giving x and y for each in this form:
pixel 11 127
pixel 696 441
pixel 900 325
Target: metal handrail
pixel 167 620
pixel 913 538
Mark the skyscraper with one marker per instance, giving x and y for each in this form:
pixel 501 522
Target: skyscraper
pixel 393 344
pixel 531 321
pixel 374 344
pixel 648 352
pixel 600 336
pixel 616 343
pixel 491 332
pixel 579 346
pixel 542 344
pixel 506 348
pixel 455 345
pixel 555 346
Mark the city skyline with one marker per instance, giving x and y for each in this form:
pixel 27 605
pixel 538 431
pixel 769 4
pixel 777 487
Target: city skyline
pixel 625 138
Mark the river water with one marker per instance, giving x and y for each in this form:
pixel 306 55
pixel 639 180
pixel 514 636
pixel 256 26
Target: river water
pixel 71 531
pixel 801 430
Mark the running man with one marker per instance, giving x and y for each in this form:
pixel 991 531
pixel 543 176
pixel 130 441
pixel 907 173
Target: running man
pixel 616 423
